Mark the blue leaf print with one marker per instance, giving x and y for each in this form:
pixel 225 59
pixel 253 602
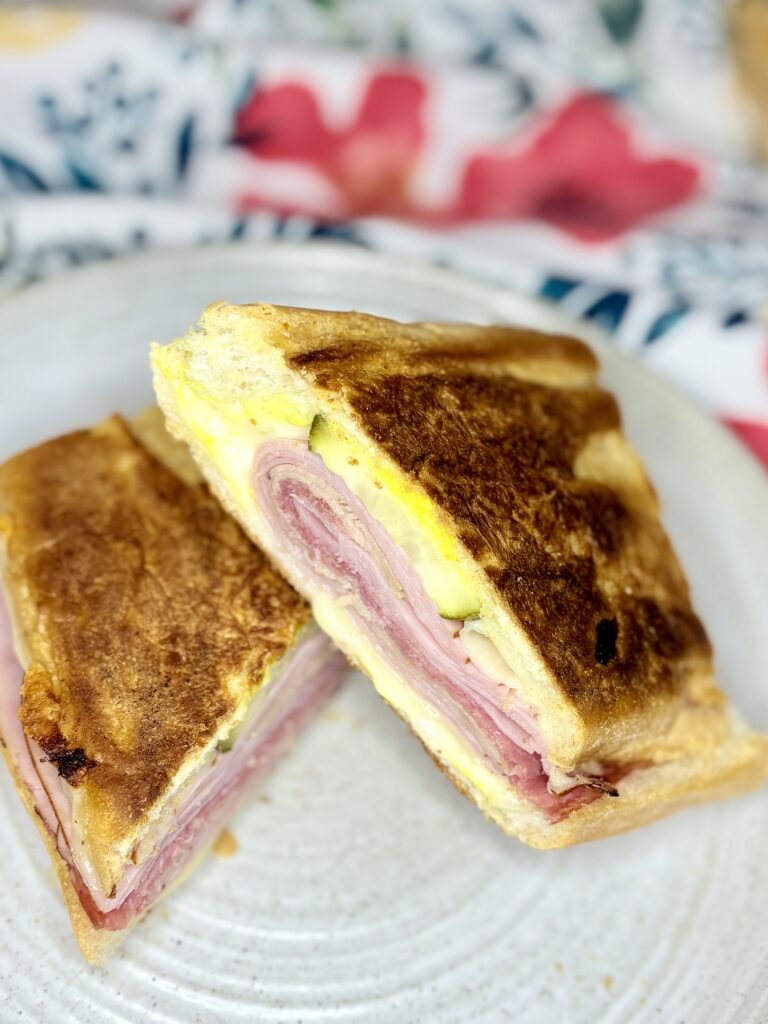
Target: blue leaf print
pixel 83 179
pixel 621 17
pixel 608 311
pixel 735 319
pixel 485 55
pixel 339 232
pixel 247 86
pixel 184 145
pixel 556 288
pixel 20 175
pixel 664 323
pixel 402 44
pixel 524 27
pixel 107 119
pixel 524 94
pixel 7 250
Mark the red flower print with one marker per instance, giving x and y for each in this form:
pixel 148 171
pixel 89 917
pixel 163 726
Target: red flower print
pixel 370 161
pixel 581 174
pixel 754 435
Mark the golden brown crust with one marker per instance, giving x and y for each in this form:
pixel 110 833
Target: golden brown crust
pixel 593 581
pixel 146 616
pixel 339 350
pixel 507 432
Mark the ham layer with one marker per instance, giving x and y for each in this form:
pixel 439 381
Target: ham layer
pixel 330 541
pixel 299 684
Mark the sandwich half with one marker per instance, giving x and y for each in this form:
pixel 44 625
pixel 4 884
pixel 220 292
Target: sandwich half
pixel 461 508
pixel 152 665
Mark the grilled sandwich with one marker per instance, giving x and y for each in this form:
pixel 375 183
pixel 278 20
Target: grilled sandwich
pixel 473 530
pixel 152 665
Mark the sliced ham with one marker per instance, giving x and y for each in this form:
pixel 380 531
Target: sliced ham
pixel 305 677
pixel 333 544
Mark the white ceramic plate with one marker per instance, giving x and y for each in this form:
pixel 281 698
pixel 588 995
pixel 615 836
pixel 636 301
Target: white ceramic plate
pixel 364 888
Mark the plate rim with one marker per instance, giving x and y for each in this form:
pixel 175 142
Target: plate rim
pixel 507 301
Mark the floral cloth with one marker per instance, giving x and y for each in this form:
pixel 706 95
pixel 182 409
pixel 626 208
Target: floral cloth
pixel 592 152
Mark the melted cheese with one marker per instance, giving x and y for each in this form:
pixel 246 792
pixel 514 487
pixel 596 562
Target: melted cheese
pixel 438 735
pixel 230 438
pixel 406 513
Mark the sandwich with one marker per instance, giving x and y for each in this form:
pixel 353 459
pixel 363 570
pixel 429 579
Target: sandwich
pixel 152 665
pixel 473 530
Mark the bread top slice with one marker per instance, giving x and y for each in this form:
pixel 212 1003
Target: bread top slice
pixel 520 455
pixel 144 618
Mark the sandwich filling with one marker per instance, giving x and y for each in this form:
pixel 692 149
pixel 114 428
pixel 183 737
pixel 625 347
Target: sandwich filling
pixel 381 572
pixel 196 812
pixel 336 547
